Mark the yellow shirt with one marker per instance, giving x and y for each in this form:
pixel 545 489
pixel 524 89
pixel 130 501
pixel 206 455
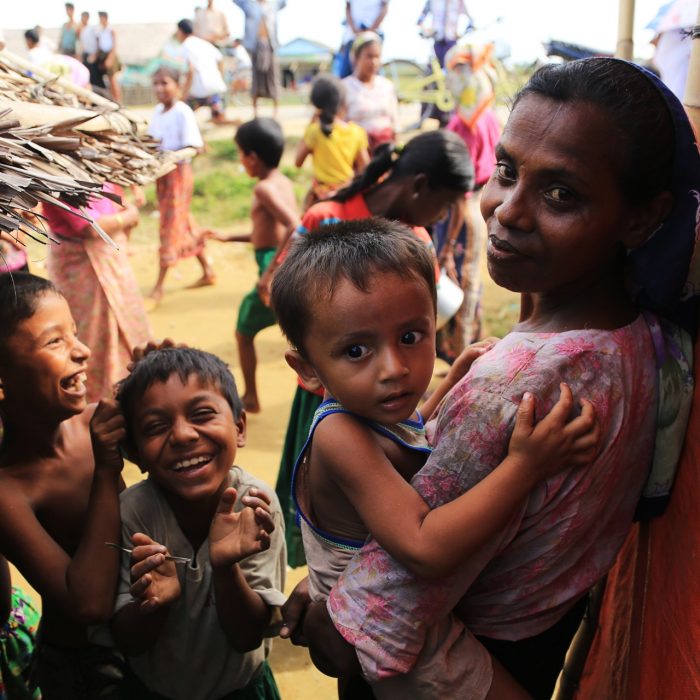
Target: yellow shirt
pixel 334 155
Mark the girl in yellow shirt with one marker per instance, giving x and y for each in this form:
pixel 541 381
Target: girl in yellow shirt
pixel 338 148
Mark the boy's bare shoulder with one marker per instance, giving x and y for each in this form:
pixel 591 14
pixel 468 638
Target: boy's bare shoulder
pixel 275 186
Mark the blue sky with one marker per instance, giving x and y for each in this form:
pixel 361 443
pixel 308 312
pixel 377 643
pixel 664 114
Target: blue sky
pixel 525 24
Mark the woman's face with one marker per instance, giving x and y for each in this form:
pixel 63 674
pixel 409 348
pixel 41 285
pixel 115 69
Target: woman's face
pixel 368 61
pixel 555 213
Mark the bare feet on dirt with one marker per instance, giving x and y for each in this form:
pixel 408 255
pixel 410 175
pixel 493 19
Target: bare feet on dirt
pixel 203 281
pixel 250 403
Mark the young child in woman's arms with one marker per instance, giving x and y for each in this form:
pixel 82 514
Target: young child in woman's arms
pixel 207 568
pixel 357 302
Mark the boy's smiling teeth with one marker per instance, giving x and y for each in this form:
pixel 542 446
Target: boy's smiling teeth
pixel 75 381
pixel 192 462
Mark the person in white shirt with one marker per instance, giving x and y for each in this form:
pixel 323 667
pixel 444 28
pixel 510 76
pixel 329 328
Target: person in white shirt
pixel 89 50
pixel 360 16
pixel 204 84
pixel 443 27
pixel 59 64
pixel 173 124
pixel 107 60
pixel 37 54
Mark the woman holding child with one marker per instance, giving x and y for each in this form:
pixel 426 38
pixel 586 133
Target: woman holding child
pixel 590 229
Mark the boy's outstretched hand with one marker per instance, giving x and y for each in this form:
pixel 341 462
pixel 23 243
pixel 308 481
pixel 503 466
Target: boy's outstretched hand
pixel 555 443
pixel 107 432
pixel 154 581
pixel 233 536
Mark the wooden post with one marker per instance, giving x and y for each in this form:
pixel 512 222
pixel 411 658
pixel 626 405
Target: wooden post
pixel 625 30
pixel 691 97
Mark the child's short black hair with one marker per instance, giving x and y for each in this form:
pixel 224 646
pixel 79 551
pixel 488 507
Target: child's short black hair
pixel 160 365
pixel 19 298
pixel 168 70
pixel 32 35
pixel 186 26
pixel 353 250
pixel 264 137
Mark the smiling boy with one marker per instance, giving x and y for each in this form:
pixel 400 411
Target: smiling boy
pixel 195 630
pixel 58 502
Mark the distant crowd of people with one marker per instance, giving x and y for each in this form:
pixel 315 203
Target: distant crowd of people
pixel 80 43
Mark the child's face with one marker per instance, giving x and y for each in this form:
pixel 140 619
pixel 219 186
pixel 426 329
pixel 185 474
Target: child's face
pixel 44 365
pixel 165 88
pixel 374 351
pixel 186 437
pixel 555 213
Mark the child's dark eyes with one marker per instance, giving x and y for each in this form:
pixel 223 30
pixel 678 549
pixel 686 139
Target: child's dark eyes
pixel 154 428
pixel 356 352
pixel 411 338
pixel 202 414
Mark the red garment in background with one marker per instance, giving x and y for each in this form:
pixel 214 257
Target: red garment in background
pixel 648 642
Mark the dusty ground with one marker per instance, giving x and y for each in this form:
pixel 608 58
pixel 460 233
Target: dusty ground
pixel 205 318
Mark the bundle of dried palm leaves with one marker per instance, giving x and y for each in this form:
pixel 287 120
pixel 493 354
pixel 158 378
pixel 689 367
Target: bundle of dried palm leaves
pixel 60 144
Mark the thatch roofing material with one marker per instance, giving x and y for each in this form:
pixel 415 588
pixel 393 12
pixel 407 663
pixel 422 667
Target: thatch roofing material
pixel 60 143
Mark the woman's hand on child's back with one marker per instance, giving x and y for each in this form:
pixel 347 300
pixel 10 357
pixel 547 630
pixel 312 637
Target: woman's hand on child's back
pixel 555 443
pixel 233 536
pixel 107 432
pixel 154 581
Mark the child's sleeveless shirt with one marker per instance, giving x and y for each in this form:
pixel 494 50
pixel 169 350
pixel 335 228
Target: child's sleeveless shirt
pixel 326 553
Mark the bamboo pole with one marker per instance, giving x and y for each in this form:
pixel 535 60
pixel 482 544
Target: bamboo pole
pixel 691 97
pixel 625 30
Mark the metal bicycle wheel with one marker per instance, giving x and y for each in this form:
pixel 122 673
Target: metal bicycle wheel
pixel 407 77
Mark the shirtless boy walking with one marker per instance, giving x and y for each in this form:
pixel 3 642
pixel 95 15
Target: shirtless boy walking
pixel 274 215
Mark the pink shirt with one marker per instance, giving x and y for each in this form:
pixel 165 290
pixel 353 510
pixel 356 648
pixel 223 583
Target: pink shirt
pixel 563 539
pixel 481 142
pixel 67 225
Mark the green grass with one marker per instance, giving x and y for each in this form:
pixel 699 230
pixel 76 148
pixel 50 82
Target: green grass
pixel 222 149
pixel 222 198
